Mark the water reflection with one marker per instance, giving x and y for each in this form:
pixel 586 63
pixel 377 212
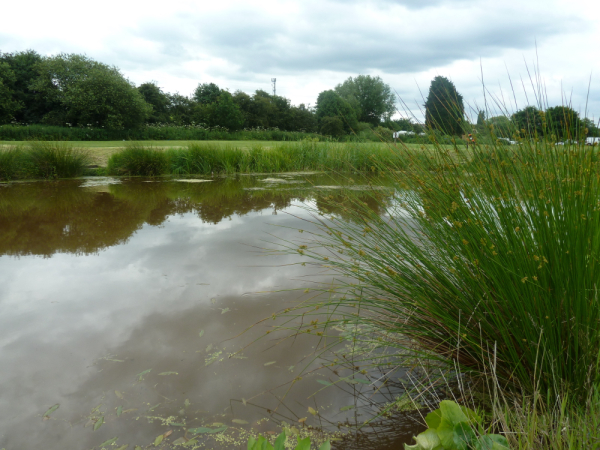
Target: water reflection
pixel 158 276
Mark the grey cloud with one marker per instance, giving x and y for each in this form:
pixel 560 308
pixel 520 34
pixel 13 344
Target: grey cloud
pixel 327 37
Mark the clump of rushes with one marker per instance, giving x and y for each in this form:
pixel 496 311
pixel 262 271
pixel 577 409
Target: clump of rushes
pixel 42 160
pixel 492 263
pixel 208 158
pixel 138 159
pixel 55 160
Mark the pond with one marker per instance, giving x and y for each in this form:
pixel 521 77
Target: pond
pixel 123 301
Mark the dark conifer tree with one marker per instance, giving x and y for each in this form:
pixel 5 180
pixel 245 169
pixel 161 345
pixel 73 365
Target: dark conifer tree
pixel 444 110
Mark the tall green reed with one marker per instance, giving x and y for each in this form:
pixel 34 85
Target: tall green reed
pixel 495 258
pixel 39 159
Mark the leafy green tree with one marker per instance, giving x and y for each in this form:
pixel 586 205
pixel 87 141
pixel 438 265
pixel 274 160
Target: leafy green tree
pixel 153 95
pixel 564 123
pixel 331 104
pixel 89 93
pixel 444 109
pixel 593 130
pixel 180 109
pixel 224 112
pixel 8 105
pixel 302 119
pixel 372 99
pixel 34 106
pixel 529 119
pixel 332 126
pixel 206 93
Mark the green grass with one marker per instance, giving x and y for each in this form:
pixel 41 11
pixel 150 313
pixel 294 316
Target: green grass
pixel 209 158
pixel 42 160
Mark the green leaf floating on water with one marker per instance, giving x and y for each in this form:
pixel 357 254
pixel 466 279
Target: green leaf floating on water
pixel 269 363
pixel 50 411
pixel 99 423
pixel 119 410
pixel 325 382
pixel 123 447
pixel 162 374
pixel 223 311
pixel 158 440
pixel 201 333
pixel 346 408
pixel 109 442
pixel 141 374
pixel 240 421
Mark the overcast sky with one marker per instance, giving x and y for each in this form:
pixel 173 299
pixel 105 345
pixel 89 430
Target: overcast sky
pixel 311 46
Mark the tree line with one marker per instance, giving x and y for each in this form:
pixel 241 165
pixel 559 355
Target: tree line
pixel 72 90
pixel 76 91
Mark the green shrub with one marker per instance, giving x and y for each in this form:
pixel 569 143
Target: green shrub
pixel 138 160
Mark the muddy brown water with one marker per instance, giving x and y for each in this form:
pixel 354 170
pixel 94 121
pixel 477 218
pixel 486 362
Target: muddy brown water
pixel 122 301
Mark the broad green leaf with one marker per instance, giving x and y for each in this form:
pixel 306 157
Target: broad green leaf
pixel 51 410
pixel 201 333
pixel 464 436
pixel 190 443
pixel 99 423
pixel 452 412
pixel 434 418
pixel 428 440
pixel 109 442
pixel 491 442
pixel 162 374
pixel 119 411
pixel 158 440
pixel 325 382
pixel 303 444
pixel 325 446
pixel 347 408
pixel 251 443
pixel 280 442
pixel 141 374
pixel 445 432
pixel 313 411
pixel 471 415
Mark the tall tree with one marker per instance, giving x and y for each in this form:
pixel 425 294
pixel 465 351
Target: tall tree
pixel 154 96
pixel 89 93
pixel 372 99
pixel 444 109
pixel 331 104
pixel 206 93
pixel 564 123
pixel 8 105
pixel 34 105
pixel 529 119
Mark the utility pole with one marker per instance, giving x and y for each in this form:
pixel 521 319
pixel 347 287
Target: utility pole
pixel 273 81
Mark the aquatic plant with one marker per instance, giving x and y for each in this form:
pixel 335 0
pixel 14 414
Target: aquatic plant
pixel 262 443
pixel 138 159
pixel 42 160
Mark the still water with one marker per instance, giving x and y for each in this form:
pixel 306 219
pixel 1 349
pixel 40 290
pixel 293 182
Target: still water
pixel 123 301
